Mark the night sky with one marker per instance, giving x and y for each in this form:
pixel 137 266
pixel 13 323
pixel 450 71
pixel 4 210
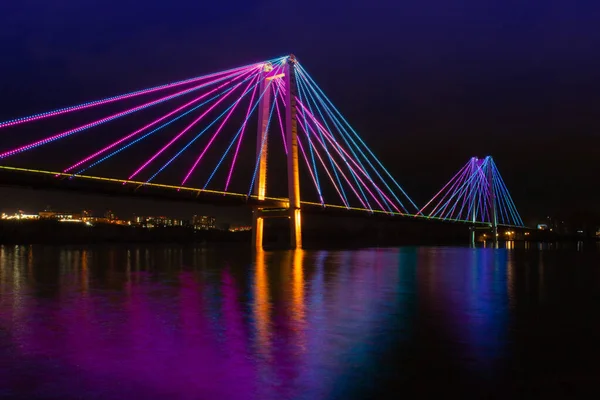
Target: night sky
pixel 428 84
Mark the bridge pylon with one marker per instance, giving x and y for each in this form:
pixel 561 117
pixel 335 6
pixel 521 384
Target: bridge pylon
pixel 476 195
pixel 492 202
pixel 482 166
pixel 293 211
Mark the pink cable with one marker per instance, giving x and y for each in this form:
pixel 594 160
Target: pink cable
pixel 96 154
pixel 348 157
pixel 95 123
pixel 455 179
pixel 318 124
pixel 313 176
pixel 326 135
pixel 241 136
pixel 183 132
pixel 237 148
pixel 459 194
pixel 338 167
pixel 116 98
pixel 280 121
pixel 212 139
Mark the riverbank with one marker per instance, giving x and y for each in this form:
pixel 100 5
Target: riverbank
pixel 276 237
pixel 54 232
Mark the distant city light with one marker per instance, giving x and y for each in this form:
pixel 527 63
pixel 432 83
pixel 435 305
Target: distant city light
pixel 240 228
pixel 19 215
pixel 197 222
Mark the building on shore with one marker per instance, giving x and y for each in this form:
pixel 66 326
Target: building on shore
pixel 240 228
pixel 157 221
pixel 204 222
pixel 60 215
pixel 19 215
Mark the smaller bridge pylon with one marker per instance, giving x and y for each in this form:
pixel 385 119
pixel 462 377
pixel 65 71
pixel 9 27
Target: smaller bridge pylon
pixel 476 194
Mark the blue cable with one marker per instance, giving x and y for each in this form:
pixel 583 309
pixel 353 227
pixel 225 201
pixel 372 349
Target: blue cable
pixel 363 143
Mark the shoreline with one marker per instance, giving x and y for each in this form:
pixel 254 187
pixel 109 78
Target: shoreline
pixel 62 234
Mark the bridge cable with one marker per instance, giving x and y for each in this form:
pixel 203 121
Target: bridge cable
pixel 262 146
pixel 175 111
pixel 341 130
pixel 65 110
pixel 312 98
pixel 308 97
pixel 248 88
pixel 359 138
pixel 188 127
pixel 100 122
pixel 150 133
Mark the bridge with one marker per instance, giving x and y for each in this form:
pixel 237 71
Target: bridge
pixel 189 140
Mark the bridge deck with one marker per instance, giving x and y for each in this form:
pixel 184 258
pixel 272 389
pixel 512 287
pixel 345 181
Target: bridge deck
pixel 51 180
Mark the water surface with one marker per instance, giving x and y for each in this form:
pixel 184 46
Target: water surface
pixel 170 322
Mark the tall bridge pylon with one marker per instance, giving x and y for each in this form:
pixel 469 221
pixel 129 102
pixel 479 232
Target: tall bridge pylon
pixel 293 212
pixel 476 193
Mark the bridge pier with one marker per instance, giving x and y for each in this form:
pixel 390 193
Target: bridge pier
pixel 258 226
pixel 491 230
pixel 291 127
pixel 492 201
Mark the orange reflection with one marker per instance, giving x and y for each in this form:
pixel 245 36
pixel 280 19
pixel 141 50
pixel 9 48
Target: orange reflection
pixel 17 270
pixel 3 265
pixel 30 276
pixel 258 233
pixel 298 288
pixel 298 306
pixel 18 300
pixel 128 272
pixel 297 229
pixel 85 276
pixel 261 303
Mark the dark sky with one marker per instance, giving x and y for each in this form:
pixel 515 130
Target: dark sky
pixel 427 83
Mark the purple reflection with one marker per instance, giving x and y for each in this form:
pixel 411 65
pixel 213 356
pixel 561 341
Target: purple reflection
pixel 138 323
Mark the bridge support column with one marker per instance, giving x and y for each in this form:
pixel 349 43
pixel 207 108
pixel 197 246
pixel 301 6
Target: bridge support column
pixel 262 147
pixel 291 126
pixel 474 166
pixel 492 194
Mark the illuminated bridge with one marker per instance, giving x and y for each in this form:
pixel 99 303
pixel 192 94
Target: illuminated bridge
pixel 196 139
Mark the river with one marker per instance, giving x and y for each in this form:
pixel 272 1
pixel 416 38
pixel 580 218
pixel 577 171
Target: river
pixel 210 322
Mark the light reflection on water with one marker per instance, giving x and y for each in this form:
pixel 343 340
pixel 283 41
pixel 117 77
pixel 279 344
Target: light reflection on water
pixel 176 322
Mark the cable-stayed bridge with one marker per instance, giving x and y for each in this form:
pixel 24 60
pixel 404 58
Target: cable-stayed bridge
pixel 263 134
